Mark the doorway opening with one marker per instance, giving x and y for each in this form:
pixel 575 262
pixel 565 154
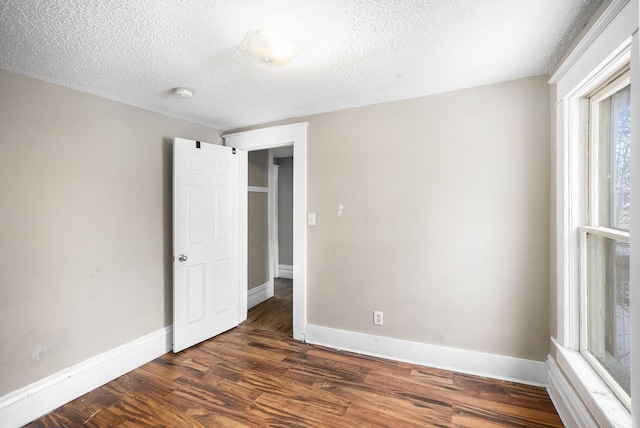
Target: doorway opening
pixel 270 138
pixel 270 240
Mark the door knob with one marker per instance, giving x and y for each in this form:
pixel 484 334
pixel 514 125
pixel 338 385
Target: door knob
pixel 182 258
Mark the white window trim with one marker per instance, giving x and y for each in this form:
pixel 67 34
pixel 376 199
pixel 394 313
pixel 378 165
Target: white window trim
pixel 571 134
pixel 590 224
pixel 604 49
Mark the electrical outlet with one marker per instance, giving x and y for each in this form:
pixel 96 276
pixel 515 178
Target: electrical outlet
pixel 377 317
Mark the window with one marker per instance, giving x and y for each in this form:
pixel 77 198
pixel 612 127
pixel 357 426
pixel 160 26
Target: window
pixel 605 339
pixel 589 357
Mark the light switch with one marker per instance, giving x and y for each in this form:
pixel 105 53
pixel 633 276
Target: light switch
pixel 311 219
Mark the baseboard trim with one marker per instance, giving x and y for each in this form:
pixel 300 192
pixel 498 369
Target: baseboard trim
pixel 285 271
pixel 259 294
pixel 579 394
pixel 477 363
pixel 33 401
pixel 570 407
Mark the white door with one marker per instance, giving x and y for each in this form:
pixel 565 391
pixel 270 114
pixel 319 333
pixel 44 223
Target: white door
pixel 205 241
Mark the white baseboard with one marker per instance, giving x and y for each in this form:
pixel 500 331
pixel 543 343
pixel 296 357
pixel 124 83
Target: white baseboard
pixel 476 363
pixel 581 396
pixel 33 401
pixel 570 407
pixel 259 294
pixel 285 271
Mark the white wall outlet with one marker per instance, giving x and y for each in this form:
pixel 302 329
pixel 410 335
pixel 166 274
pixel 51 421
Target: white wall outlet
pixel 311 219
pixel 377 317
pixel 340 210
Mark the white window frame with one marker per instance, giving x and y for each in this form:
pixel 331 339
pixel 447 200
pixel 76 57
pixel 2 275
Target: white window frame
pixel 572 114
pixel 611 42
pixel 590 219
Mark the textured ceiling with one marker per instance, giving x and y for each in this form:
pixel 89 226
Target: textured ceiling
pixel 356 52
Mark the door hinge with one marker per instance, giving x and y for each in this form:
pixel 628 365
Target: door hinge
pixel 197 144
pixel 233 151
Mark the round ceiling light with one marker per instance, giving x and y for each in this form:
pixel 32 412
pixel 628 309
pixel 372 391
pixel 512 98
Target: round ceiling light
pixel 183 93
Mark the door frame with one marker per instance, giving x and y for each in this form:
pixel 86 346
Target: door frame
pixel 268 138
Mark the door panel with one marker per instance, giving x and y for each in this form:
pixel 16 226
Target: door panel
pixel 195 219
pixel 222 220
pixel 206 242
pixel 222 298
pixel 196 292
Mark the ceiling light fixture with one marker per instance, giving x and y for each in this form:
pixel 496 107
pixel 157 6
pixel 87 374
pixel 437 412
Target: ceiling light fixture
pixel 266 47
pixel 184 93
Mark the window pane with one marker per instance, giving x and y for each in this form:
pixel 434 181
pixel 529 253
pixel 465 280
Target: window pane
pixel 614 173
pixel 608 309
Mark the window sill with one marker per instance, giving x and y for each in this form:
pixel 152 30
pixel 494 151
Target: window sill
pixel 604 406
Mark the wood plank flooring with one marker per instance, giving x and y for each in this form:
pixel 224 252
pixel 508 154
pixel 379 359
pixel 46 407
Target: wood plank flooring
pixel 275 314
pixel 250 377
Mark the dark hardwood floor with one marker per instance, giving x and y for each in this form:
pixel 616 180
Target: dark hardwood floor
pixel 275 314
pixel 256 375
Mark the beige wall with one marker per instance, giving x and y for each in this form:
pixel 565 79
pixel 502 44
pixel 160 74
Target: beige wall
pixel 285 211
pixel 258 166
pixel 258 220
pixel 553 252
pixel 85 230
pixel 446 227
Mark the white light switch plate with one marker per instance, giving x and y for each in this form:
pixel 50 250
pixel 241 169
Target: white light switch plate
pixel 311 219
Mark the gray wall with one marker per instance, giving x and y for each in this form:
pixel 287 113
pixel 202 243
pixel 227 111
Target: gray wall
pixel 85 236
pixel 258 219
pixel 285 211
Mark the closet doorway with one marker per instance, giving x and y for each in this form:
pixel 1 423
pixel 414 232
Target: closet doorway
pixel 270 240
